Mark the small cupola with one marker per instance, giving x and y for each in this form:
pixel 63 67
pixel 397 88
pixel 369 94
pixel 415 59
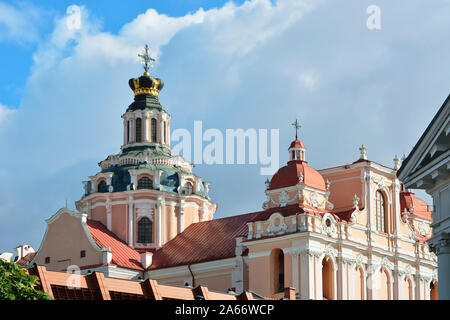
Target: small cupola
pixel 297 148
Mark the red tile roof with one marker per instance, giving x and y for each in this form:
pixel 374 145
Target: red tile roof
pixel 297 144
pixel 288 176
pixel 27 258
pixel 203 241
pixel 122 254
pixel 421 209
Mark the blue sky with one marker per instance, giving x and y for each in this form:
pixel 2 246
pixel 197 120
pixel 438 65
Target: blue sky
pixel 254 64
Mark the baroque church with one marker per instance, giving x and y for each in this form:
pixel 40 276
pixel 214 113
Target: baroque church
pixel 346 232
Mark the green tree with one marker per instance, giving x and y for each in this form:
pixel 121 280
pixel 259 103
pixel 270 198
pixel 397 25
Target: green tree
pixel 16 284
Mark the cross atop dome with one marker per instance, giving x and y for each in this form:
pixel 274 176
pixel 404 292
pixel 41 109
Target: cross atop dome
pixel 297 148
pixel 146 60
pixel 297 126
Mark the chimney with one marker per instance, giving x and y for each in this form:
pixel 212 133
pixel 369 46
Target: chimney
pixel 107 255
pixel 146 259
pixel 23 250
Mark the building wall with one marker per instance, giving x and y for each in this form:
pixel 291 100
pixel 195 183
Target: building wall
pixel 58 244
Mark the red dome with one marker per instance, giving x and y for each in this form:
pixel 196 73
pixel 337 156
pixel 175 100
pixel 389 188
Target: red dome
pixel 288 176
pixel 421 209
pixel 297 144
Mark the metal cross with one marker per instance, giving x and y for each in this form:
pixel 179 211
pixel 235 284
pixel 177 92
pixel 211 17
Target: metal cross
pixel 297 126
pixel 146 60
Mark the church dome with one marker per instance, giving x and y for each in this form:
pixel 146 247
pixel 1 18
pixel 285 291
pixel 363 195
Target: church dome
pixel 297 144
pixel 297 171
pixel 289 176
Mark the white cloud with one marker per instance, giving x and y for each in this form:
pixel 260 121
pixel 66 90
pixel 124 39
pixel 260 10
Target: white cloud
pixel 5 113
pixel 309 79
pixel 18 23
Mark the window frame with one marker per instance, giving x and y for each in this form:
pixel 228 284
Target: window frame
pixel 381 212
pixel 143 234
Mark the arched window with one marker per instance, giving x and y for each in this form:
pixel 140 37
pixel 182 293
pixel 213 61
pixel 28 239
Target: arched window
pixel 433 290
pixel 358 284
pixel 188 188
pixel 381 212
pixel 384 291
pixel 128 131
pixel 327 279
pixel 145 230
pixel 154 127
pixel 278 270
pixel 102 186
pixel 165 133
pixel 145 183
pixel 138 130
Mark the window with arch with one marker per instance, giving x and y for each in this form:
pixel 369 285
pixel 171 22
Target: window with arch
pixel 165 132
pixel 138 130
pixel 380 212
pixel 154 127
pixel 188 188
pixel 433 290
pixel 278 270
pixel 327 279
pixel 358 284
pixel 102 186
pixel 145 230
pixel 384 290
pixel 127 130
pixel 145 183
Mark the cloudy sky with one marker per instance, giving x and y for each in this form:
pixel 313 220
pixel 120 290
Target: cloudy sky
pixel 254 64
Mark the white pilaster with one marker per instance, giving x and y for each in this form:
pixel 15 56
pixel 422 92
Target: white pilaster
pixel 130 221
pixel 307 275
pixel 145 126
pixel 181 217
pixel 160 205
pixel 108 214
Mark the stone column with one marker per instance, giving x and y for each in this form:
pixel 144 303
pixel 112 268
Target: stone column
pixel 145 126
pixel 125 131
pixel 168 132
pixel 307 275
pixel 131 131
pixel 160 205
pixel 108 214
pixel 130 221
pixel 181 217
pixel 342 289
pixel 295 252
pixel 442 246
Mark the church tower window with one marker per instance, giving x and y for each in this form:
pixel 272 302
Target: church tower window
pixel 145 230
pixel 278 270
pixel 138 130
pixel 154 127
pixel 188 188
pixel 145 183
pixel 380 212
pixel 102 186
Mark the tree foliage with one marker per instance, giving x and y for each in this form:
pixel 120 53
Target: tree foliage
pixel 16 284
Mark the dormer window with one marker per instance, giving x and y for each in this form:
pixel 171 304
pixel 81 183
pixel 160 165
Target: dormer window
pixel 145 183
pixel 102 186
pixel 188 188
